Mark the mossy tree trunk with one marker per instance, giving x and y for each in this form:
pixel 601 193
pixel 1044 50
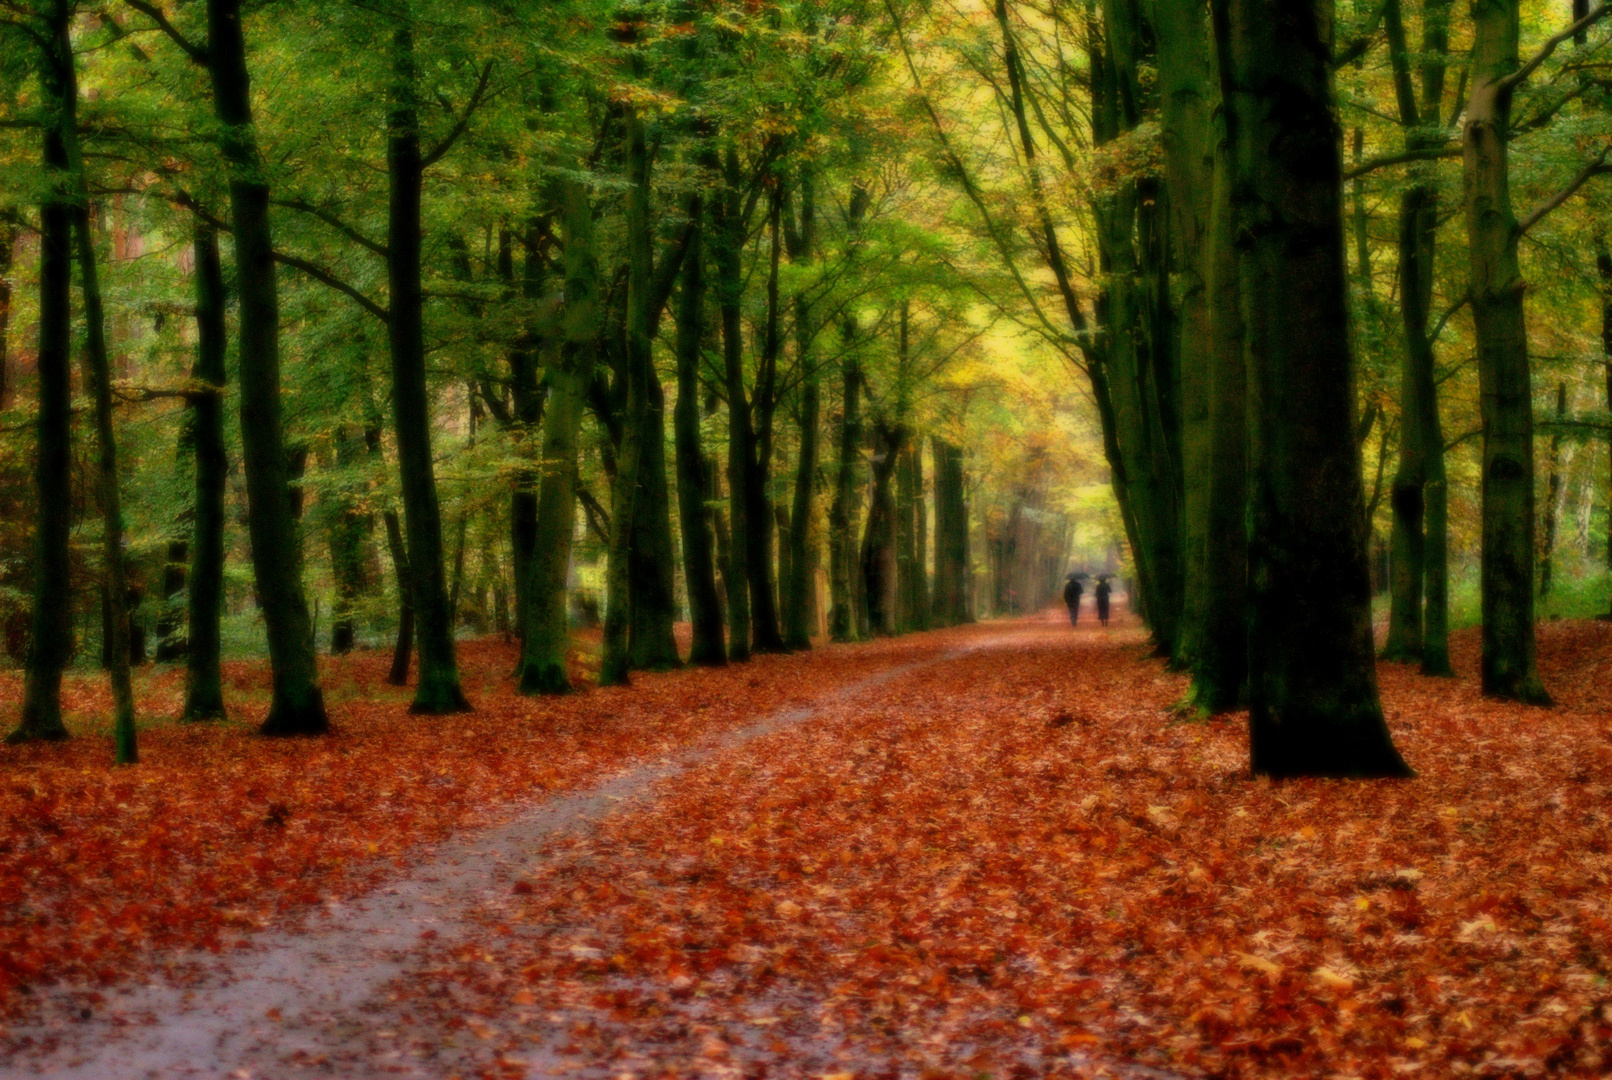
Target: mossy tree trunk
pixel 547 633
pixel 1505 385
pixel 1314 708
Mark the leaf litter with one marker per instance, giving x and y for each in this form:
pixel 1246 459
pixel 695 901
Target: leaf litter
pixel 1010 864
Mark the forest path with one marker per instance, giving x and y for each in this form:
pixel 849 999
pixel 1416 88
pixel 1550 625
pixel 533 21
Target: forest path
pixel 319 1000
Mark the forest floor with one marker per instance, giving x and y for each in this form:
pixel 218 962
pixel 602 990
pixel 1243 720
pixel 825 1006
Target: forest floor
pixel 994 850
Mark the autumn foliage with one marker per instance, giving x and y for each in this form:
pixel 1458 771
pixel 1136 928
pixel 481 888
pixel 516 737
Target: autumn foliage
pixel 1013 858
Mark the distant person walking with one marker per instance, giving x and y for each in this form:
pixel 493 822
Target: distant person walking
pixel 1071 597
pixel 1101 593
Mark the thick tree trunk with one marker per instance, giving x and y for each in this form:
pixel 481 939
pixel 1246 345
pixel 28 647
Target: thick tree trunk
pixel 1505 386
pixel 951 537
pixel 1603 265
pixel 1314 708
pixel 204 684
pixel 699 578
pixel 527 399
pixel 1187 100
pixel 547 633
pixel 436 690
pixel 297 706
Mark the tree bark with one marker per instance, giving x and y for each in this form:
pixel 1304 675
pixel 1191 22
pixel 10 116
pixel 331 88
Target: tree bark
pixel 8 246
pixel 1505 386
pixel 654 551
pixel 437 690
pixel 1314 708
pixel 204 680
pixel 297 706
pixel 764 632
pixel 705 611
pixel 348 529
pixel 842 512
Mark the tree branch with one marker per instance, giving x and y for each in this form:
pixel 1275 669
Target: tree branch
pixel 1594 168
pixel 324 277
pixel 335 223
pixel 154 13
pixel 1430 153
pixel 463 124
pixel 1520 76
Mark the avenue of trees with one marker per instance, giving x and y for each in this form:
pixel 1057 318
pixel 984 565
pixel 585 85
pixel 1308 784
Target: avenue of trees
pixel 768 317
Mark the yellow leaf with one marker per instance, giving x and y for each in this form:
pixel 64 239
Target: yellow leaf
pixel 1258 963
pixel 1337 981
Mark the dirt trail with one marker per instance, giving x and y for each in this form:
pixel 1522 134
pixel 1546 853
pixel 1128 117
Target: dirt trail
pixel 307 1002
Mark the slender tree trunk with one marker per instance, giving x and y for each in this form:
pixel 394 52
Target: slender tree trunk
pixel 297 707
pixel 842 513
pixel 626 494
pixel 547 634
pixel 8 246
pixel 730 285
pixel 527 397
pixel 1553 493
pixel 764 633
pixel 1314 708
pixel 204 682
pixel 437 689
pixel 403 646
pixel 348 531
pixel 799 583
pixel 1510 667
pixel 705 610
pixel 1603 264
pixel 98 379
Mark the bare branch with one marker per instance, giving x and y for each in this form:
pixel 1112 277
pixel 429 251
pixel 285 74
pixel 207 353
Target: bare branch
pixel 326 278
pixel 154 13
pixel 1594 168
pixel 1520 76
pixel 1431 153
pixel 463 124
pixel 335 223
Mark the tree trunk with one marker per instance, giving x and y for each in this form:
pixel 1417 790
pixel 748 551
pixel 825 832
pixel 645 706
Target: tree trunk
pixel 204 681
pixel 50 629
pixel 726 228
pixel 1603 265
pixel 878 553
pixel 1553 493
pixel 527 395
pixel 403 646
pixel 348 530
pixel 799 583
pixel 626 493
pixel 842 512
pixel 8 246
pixel 654 551
pixel 297 706
pixel 547 633
pixel 98 380
pixel 1505 387
pixel 764 632
pixel 436 690
pixel 708 648
pixel 1314 708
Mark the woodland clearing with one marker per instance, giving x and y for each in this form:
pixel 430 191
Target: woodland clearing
pixel 1010 859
